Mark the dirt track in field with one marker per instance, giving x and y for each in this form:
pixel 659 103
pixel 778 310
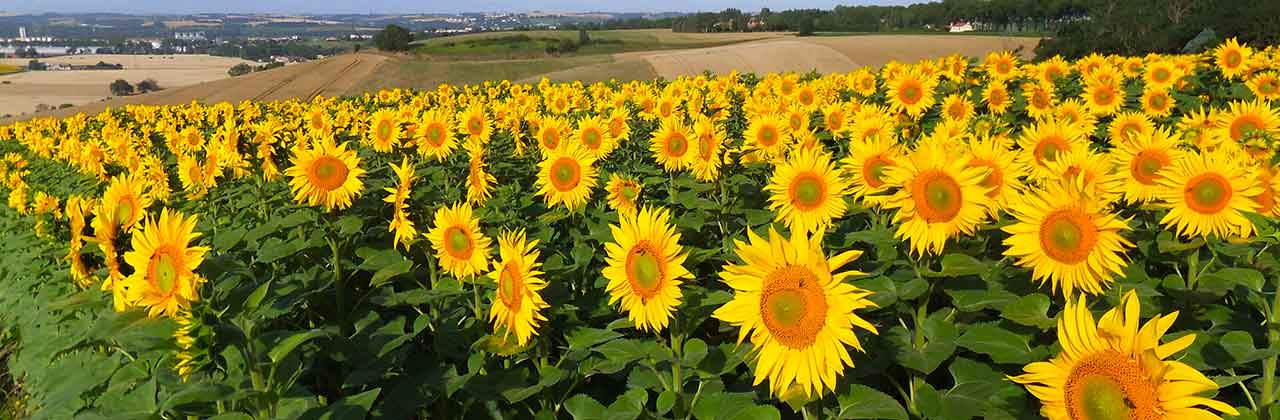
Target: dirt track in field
pixel 824 54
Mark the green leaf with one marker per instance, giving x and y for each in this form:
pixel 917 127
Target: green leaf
pixel 1232 276
pixel 694 351
pixel 727 406
pixel 583 407
pixel 939 343
pixel 255 299
pixel 1029 310
pixel 1002 345
pixel 274 249
pixel 628 406
pixel 956 265
pixel 864 402
pixel 585 338
pixel 349 225
pixel 355 407
pixel 1239 345
pixel 386 273
pixel 286 346
pixel 197 393
pixel 666 400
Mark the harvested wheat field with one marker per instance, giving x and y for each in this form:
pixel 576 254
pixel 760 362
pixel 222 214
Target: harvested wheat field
pixel 333 76
pixel 24 91
pixel 824 54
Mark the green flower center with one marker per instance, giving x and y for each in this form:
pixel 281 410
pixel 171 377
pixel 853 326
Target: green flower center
pixel 807 191
pixel 1103 399
pixel 458 242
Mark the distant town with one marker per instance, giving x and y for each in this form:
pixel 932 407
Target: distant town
pixel 261 37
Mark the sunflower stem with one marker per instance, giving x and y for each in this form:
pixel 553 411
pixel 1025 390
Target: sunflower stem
pixel 340 289
pixel 677 382
pixel 1269 365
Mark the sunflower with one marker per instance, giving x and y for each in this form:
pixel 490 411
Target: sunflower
pixel 593 135
pixel 797 310
pixel 1103 98
pixel 938 197
pixel 435 135
pixel 835 120
pixel 475 124
pixel 1004 170
pixel 1157 102
pixel 384 131
pixel 624 192
pixel 996 96
pixel 1242 119
pixel 1265 85
pixel 863 82
pixel 552 133
pixel 1001 65
pixel 1142 162
pixel 326 175
pixel 1065 236
pixel 711 139
pixel 806 191
pixel 1076 113
pixel 767 136
pixel 1129 125
pixel 670 145
pixel 1044 141
pixel 911 92
pixel 1161 75
pixel 1199 128
pixel 645 267
pixel 164 263
pixel 124 203
pixel 1115 370
pixel 1270 184
pixel 1208 194
pixel 873 123
pixel 517 304
pixel 400 225
pixel 566 176
pixel 1040 99
pixel 957 108
pixel 1232 58
pixel 619 125
pixel 866 165
pixel 462 250
pixel 479 182
pixel 1095 174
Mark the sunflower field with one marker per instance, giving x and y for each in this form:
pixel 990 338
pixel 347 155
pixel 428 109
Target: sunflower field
pixel 948 239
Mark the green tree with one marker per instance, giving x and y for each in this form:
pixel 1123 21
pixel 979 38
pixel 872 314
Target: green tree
pixel 240 70
pixel 120 87
pixel 393 38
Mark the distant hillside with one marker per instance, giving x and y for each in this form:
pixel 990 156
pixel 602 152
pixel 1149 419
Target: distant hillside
pixel 328 77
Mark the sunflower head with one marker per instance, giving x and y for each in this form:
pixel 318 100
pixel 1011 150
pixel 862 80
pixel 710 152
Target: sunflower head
pixel 798 309
pixel 624 193
pixel 938 197
pixel 1208 194
pixel 1118 368
pixel 806 191
pixel 326 175
pixel 517 302
pixel 164 263
pixel 645 267
pixel 463 251
pixel 567 176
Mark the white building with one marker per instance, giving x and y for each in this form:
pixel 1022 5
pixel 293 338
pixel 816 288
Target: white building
pixel 961 27
pixel 22 34
pixel 189 36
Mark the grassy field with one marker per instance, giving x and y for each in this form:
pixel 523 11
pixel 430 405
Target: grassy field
pixel 427 74
pixel 531 44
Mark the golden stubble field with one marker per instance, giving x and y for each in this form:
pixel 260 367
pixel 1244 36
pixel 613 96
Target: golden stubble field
pixel 24 91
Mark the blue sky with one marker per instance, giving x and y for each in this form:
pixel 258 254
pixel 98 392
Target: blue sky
pixel 410 6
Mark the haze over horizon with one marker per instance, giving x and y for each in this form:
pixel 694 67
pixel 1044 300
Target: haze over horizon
pixel 411 6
